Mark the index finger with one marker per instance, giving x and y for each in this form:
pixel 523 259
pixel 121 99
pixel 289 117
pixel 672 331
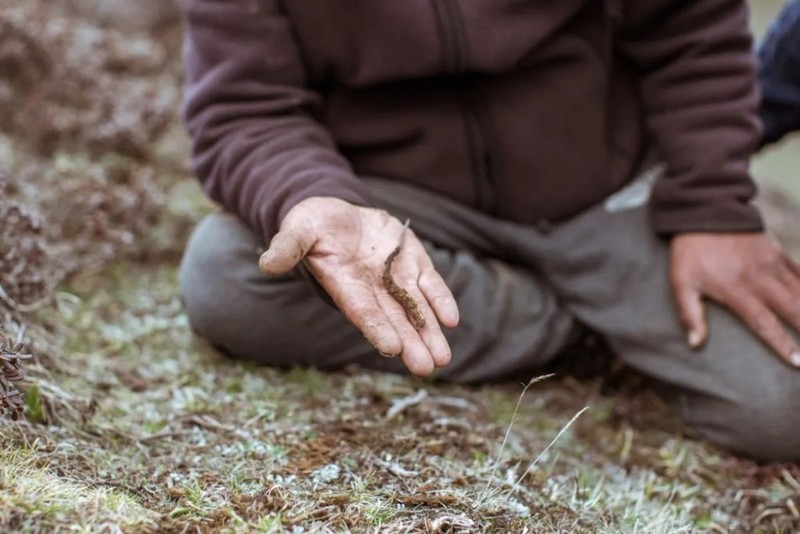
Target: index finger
pixel 765 323
pixel 782 293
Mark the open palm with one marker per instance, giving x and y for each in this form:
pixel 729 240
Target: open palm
pixel 345 247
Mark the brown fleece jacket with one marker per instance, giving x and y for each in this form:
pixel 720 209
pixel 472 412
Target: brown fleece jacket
pixel 527 110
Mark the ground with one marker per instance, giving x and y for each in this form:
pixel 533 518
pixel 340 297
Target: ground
pixel 133 424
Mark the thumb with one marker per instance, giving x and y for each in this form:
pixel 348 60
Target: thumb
pixel 692 313
pixel 285 251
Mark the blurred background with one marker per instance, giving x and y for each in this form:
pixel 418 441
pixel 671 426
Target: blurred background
pixel 780 166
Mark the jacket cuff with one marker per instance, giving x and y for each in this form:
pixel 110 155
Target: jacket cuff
pixel 729 217
pixel 345 187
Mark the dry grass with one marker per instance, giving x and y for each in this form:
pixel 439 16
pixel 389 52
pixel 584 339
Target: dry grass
pixel 34 498
pixel 134 425
pixel 202 442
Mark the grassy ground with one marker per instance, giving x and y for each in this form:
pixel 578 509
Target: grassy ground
pixel 172 437
pixel 134 425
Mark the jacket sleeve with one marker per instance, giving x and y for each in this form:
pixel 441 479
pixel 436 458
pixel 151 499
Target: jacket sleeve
pixel 696 70
pixel 257 147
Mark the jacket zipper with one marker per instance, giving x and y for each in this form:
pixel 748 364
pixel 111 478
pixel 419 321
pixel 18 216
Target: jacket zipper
pixel 476 117
pixel 448 22
pixel 481 149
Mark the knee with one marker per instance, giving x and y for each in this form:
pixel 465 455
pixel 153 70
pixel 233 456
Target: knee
pixel 765 425
pixel 208 293
pixel 224 311
pixel 227 300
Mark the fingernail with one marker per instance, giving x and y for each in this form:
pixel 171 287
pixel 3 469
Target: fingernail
pixel 448 305
pixel 387 355
pixel 795 359
pixel 695 339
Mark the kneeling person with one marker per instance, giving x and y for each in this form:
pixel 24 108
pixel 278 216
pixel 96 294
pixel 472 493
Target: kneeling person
pixel 518 139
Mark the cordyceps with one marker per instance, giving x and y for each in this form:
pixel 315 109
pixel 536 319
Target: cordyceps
pixel 11 371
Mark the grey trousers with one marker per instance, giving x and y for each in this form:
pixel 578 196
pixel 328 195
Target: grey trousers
pixel 520 290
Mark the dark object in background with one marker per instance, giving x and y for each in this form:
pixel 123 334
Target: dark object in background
pixel 779 75
pixel 11 357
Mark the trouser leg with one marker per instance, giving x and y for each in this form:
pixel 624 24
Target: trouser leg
pixel 511 321
pixel 612 273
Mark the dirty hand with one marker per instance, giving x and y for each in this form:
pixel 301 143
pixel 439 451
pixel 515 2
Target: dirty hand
pixel 746 272
pixel 344 247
